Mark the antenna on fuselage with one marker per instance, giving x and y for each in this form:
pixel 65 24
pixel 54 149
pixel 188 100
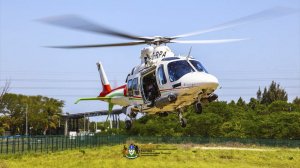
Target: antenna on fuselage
pixel 189 54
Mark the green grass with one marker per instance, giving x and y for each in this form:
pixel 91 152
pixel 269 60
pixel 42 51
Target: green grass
pixel 185 156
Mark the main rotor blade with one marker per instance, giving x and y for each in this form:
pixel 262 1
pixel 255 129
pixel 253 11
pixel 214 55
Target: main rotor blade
pixel 260 16
pixel 206 41
pixel 76 22
pixel 101 45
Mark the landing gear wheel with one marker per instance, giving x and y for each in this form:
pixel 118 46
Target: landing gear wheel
pixel 198 107
pixel 128 124
pixel 183 122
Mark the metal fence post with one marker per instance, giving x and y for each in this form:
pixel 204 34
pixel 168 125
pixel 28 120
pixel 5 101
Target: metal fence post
pixel 46 143
pixel 51 143
pixel 22 144
pixel 57 138
pixel 66 141
pixel 70 140
pixel 35 144
pixel 42 145
pixel 1 145
pixel 12 145
pixel 28 143
pixel 62 142
pixel 6 145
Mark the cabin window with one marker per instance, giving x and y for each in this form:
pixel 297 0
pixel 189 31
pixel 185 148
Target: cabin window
pixel 129 86
pixel 150 88
pixel 198 66
pixel 135 86
pixel 177 69
pixel 127 78
pixel 132 71
pixel 161 75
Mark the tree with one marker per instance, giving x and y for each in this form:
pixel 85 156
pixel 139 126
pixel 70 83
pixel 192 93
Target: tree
pixel 241 102
pixel 275 92
pixel 258 95
pixel 4 91
pixel 43 113
pixel 296 101
pixel 265 96
pixel 253 103
pixel 281 106
pixel 3 110
pixel 220 108
pixel 233 129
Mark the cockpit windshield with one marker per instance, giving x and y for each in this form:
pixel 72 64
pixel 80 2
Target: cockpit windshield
pixel 198 66
pixel 177 69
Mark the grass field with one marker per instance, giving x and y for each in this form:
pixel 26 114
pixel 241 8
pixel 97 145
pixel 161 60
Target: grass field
pixel 188 155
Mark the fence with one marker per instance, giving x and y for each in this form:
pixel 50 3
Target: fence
pixel 21 144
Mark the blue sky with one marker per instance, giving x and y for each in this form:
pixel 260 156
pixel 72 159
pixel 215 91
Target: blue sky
pixel 272 53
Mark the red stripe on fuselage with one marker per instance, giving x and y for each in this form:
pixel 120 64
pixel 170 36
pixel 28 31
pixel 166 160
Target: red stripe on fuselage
pixel 107 89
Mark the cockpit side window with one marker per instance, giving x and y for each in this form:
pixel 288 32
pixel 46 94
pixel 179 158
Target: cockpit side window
pixel 177 69
pixel 135 86
pixel 127 78
pixel 161 75
pixel 129 86
pixel 198 66
pixel 132 70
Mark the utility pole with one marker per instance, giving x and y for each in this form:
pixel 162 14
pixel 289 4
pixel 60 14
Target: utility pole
pixel 110 122
pixel 84 123
pixel 66 124
pixel 26 118
pixel 88 124
pixel 96 127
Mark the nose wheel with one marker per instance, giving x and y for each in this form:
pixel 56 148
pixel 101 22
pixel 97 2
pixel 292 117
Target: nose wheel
pixel 128 124
pixel 182 120
pixel 130 116
pixel 198 107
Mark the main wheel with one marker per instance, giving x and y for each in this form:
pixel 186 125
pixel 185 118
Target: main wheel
pixel 183 122
pixel 128 124
pixel 198 107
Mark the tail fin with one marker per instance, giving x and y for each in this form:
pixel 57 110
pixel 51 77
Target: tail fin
pixel 105 84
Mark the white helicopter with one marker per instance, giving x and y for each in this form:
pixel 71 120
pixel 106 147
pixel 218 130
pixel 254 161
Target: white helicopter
pixel 163 82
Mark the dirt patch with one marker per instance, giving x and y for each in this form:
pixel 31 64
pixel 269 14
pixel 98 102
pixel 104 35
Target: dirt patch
pixel 231 148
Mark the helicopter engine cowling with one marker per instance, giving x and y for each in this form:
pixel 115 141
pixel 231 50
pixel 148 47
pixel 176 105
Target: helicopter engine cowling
pixel 146 54
pixel 163 101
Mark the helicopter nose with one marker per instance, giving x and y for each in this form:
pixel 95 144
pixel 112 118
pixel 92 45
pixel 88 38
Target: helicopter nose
pixel 201 79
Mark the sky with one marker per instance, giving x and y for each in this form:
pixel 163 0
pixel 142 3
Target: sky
pixel 271 53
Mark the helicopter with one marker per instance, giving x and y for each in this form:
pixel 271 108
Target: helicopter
pixel 163 82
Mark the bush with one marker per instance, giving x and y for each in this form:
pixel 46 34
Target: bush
pixel 278 106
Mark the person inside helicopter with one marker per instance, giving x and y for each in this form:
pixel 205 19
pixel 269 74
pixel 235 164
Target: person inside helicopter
pixel 151 89
pixel 151 93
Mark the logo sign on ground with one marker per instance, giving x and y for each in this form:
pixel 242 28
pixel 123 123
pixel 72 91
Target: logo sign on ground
pixel 133 151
